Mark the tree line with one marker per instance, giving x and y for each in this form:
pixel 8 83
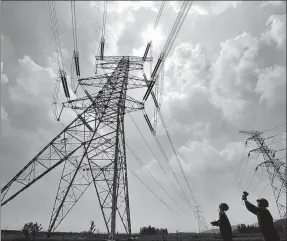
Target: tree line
pixel 152 230
pixel 242 228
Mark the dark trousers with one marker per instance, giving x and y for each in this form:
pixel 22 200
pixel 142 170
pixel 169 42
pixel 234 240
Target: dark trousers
pixel 227 239
pixel 275 238
pixel 272 236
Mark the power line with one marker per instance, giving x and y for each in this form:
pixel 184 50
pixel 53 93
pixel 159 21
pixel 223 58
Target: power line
pixel 163 202
pixel 159 15
pixel 150 149
pixel 251 175
pixel 240 166
pixel 274 127
pixel 273 166
pixel 264 189
pixel 161 187
pixel 260 179
pixel 167 161
pixel 171 143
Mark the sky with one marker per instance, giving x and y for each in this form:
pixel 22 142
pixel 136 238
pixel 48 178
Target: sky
pixel 226 72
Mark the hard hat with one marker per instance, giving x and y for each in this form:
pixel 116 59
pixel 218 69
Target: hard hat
pixel 224 206
pixel 262 202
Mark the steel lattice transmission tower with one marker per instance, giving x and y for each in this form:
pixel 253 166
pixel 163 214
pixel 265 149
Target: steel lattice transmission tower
pixel 275 168
pixel 202 226
pixel 93 142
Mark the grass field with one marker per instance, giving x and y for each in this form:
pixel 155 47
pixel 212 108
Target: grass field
pixel 18 236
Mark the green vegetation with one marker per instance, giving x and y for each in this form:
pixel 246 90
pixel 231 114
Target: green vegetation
pixel 89 233
pixel 152 230
pixel 31 230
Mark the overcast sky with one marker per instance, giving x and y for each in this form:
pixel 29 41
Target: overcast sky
pixel 226 72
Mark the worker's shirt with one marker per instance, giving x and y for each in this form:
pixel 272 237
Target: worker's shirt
pixel 224 226
pixel 265 220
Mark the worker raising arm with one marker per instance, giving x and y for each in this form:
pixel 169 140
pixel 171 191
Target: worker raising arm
pixel 265 219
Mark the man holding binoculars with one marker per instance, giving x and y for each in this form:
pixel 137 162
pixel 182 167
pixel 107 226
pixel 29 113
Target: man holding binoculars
pixel 265 219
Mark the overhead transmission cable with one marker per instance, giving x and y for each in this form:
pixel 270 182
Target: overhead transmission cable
pixel 74 25
pixel 149 48
pixel 161 187
pixel 167 161
pixel 62 74
pixel 272 143
pixel 149 44
pixel 166 49
pixel 75 62
pixel 169 43
pixel 138 129
pixel 177 26
pixel 55 31
pixel 240 166
pixel 163 202
pixel 252 172
pixel 104 19
pixel 262 132
pixel 279 125
pixel 264 189
pixel 177 157
pixel 101 47
pixel 260 179
pixel 159 15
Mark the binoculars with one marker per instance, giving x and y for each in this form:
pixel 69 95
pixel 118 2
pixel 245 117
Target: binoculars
pixel 245 194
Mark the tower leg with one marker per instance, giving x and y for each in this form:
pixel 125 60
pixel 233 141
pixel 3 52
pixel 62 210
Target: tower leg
pixel 94 141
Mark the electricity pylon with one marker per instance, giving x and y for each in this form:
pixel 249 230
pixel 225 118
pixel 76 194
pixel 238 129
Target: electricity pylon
pixel 93 142
pixel 202 226
pixel 275 168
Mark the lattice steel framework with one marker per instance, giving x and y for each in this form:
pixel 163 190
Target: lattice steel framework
pixel 202 226
pixel 275 168
pixel 91 148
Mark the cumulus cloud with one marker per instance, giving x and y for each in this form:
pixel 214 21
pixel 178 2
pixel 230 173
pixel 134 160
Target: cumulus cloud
pixel 190 106
pixel 235 65
pixel 234 74
pixel 156 169
pixel 276 30
pixel 122 6
pixel 35 82
pixel 196 90
pixel 272 84
pixel 4 115
pixel 187 64
pixel 232 108
pixel 214 8
pixel 201 157
pixel 33 91
pixel 202 98
pixel 4 78
pixel 225 82
pixel 201 129
pixel 272 3
pixel 207 8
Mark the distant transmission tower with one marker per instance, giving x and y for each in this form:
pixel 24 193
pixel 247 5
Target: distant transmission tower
pixel 93 142
pixel 275 168
pixel 202 226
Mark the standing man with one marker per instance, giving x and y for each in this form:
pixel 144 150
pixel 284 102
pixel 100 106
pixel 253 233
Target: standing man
pixel 265 219
pixel 223 223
